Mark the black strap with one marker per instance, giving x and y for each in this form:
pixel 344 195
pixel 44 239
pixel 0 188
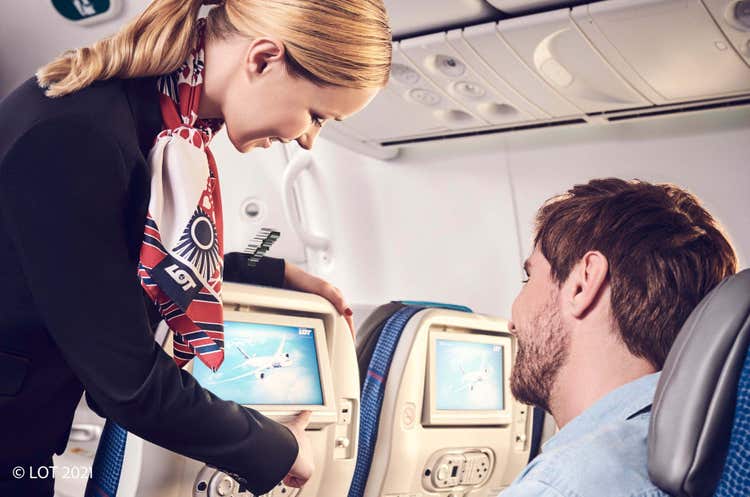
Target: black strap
pixel 638 413
pixel 537 425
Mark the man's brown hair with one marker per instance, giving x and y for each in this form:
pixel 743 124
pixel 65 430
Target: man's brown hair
pixel 665 253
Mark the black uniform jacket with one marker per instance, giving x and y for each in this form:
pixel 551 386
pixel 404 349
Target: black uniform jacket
pixel 74 191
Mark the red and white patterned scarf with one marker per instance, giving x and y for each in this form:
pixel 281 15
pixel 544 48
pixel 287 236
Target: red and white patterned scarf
pixel 181 260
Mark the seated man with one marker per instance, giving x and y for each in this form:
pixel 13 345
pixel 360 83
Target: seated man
pixel 617 267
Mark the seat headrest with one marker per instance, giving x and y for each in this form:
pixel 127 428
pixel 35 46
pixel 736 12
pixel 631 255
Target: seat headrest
pixel 694 402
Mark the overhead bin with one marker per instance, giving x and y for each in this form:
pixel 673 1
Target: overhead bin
pixel 415 16
pixel 605 61
pixel 551 45
pixel 669 50
pixel 485 41
pixel 442 64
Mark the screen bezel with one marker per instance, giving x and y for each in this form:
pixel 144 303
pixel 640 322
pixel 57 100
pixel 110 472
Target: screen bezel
pixel 431 416
pixel 321 348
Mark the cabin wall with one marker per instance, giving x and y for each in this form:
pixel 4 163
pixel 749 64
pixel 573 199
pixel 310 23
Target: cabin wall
pixel 451 221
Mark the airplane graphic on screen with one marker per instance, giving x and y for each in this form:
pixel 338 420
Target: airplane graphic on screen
pixel 265 364
pixel 472 379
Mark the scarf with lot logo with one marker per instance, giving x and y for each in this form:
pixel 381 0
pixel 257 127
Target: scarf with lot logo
pixel 181 259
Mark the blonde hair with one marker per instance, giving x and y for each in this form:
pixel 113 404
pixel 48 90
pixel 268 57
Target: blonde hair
pixel 330 42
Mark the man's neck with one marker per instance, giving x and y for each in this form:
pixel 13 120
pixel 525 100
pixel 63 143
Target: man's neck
pixel 598 363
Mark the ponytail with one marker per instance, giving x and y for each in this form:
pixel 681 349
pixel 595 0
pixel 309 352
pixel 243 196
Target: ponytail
pixel 329 42
pixel 156 42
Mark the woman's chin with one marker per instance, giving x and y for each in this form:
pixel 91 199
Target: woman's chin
pixel 261 143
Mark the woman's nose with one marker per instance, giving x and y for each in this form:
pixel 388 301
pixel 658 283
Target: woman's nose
pixel 307 139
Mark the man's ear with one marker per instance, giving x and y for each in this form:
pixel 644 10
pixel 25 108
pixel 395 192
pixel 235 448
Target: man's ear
pixel 587 280
pixel 262 54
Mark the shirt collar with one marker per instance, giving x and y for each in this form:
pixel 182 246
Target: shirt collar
pixel 619 404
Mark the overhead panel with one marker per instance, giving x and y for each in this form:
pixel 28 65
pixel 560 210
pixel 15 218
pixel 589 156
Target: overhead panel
pixel 485 41
pixel 390 115
pixel 410 105
pixel 733 18
pixel 442 64
pixel 455 39
pixel 552 45
pixel 413 16
pixel 670 50
pixel 416 88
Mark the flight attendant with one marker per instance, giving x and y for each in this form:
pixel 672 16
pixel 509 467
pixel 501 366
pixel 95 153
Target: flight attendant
pixel 110 221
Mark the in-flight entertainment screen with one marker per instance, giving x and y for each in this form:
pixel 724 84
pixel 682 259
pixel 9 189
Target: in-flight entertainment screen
pixel 469 376
pixel 265 364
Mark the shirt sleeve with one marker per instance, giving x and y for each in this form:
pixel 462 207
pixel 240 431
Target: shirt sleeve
pixel 268 271
pixel 63 198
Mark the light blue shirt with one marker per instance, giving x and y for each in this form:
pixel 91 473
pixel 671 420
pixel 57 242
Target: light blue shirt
pixel 602 451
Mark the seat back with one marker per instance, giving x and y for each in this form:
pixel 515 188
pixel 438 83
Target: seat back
pixel 400 452
pixel 735 479
pixel 150 471
pixel 695 399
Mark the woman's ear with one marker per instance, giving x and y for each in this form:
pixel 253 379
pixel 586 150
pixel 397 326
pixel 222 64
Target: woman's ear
pixel 262 54
pixel 588 279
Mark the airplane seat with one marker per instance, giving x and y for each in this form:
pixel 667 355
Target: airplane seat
pixel 369 331
pixel 279 338
pixel 432 422
pixel 700 425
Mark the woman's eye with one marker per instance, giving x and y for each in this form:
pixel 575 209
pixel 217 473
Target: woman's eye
pixel 525 280
pixel 317 120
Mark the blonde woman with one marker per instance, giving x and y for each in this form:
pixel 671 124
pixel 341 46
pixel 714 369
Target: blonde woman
pixel 109 200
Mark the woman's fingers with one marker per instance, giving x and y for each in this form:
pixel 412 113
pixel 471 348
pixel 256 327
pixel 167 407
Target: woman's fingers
pixel 298 279
pixel 338 301
pixel 350 322
pixel 335 296
pixel 302 420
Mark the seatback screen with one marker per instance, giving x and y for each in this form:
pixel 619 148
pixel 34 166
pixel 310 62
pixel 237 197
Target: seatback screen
pixel 469 376
pixel 265 364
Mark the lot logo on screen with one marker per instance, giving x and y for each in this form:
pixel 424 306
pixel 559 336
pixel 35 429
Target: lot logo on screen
pixel 305 332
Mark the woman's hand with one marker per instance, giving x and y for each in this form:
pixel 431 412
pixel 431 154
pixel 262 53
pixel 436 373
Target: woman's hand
pixel 297 279
pixel 303 466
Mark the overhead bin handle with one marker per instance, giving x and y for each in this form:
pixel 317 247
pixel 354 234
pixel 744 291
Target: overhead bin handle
pixel 552 70
pixel 301 162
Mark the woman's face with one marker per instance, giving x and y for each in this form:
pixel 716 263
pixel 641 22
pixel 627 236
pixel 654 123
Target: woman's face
pixel 249 84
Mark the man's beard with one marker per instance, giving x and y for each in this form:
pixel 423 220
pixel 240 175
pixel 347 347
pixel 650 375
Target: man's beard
pixel 542 351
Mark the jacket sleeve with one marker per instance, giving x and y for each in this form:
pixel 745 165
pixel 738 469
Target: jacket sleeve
pixel 63 198
pixel 268 271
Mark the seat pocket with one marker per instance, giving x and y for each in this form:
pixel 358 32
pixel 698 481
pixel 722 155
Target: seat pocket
pixel 13 370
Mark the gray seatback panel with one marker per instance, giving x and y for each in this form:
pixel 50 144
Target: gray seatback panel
pixel 694 401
